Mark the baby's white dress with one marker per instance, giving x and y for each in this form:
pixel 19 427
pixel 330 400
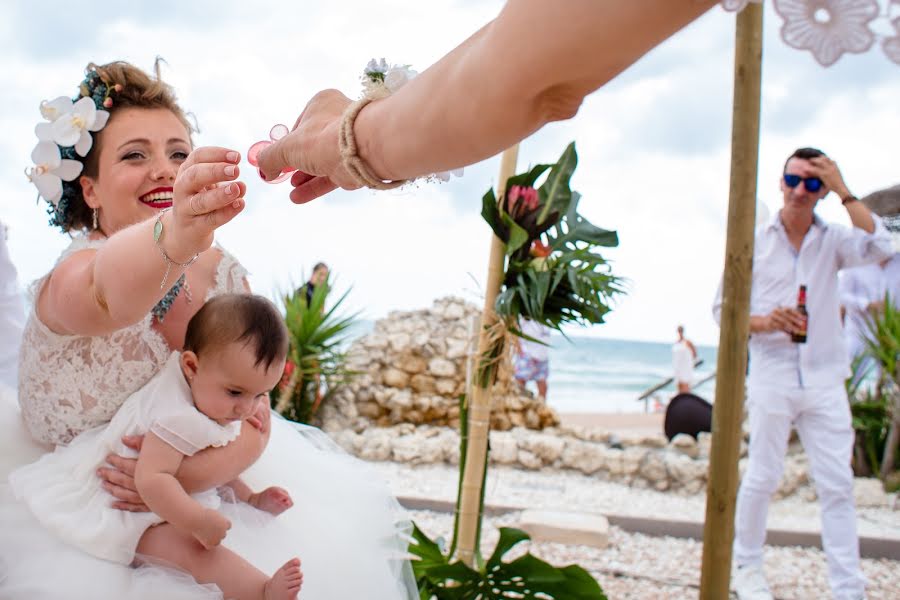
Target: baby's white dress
pixel 345 526
pixel 63 491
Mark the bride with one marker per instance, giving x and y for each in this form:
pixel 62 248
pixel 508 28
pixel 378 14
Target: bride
pixel 103 322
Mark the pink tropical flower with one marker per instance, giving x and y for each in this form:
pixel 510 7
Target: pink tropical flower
pixel 828 28
pixel 521 200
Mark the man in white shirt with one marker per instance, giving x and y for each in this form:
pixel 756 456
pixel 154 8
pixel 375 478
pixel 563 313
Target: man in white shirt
pixel 12 315
pixel 863 290
pixel 802 384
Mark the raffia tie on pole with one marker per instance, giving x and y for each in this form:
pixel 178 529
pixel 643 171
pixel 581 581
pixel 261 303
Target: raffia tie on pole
pixel 479 396
pixel 721 493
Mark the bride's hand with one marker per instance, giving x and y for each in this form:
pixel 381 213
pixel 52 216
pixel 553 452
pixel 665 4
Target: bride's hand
pixel 118 479
pixel 207 195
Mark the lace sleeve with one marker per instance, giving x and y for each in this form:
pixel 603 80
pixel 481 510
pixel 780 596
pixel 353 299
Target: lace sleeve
pixel 231 276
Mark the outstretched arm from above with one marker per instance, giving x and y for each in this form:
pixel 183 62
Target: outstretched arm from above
pixel 493 90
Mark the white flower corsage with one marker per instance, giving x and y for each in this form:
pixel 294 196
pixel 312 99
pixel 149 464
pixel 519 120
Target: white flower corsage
pixel 381 80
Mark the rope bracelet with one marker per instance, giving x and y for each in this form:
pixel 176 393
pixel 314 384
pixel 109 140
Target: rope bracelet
pixel 157 234
pixel 350 158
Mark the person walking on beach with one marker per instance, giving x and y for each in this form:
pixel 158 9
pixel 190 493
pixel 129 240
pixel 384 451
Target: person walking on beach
pixel 802 384
pixel 684 355
pixel 532 361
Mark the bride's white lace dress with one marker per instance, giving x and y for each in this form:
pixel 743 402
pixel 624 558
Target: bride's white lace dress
pixel 345 526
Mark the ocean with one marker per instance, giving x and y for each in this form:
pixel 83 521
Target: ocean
pixel 600 375
pixel 607 375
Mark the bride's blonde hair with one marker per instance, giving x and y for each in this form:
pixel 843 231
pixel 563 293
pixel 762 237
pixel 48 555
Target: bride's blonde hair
pixel 113 86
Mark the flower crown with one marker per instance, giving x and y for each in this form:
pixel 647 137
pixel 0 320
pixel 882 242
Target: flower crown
pixel 64 140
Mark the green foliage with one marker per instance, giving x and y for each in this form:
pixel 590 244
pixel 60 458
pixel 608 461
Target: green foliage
pixel 873 407
pixel 317 338
pixel 440 577
pixel 574 283
pixel 526 577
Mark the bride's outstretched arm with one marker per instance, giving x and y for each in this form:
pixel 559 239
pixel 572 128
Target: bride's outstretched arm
pixel 98 292
pixel 533 64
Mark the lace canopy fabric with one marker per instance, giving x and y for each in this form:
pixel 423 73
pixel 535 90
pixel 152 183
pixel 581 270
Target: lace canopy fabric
pixel 829 28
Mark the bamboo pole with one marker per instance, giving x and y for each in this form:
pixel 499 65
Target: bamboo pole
pixel 479 393
pixel 721 492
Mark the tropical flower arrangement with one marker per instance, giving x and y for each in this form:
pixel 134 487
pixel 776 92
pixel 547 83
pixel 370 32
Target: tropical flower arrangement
pixel 553 273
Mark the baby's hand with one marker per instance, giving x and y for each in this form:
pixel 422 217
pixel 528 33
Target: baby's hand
pixel 212 528
pixel 273 500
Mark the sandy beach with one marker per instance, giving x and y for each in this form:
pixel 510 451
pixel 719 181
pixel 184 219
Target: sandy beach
pixel 632 423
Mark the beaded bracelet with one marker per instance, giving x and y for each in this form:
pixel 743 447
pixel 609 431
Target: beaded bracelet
pixel 157 234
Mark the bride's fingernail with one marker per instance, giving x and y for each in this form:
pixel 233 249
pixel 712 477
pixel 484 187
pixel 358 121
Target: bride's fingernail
pixel 229 189
pixel 238 204
pixel 232 157
pixel 229 171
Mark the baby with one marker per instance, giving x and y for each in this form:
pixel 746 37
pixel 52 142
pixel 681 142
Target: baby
pixel 234 354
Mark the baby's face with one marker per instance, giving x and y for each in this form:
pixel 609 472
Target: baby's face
pixel 226 385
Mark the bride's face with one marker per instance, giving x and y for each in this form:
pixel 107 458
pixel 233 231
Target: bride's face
pixel 140 152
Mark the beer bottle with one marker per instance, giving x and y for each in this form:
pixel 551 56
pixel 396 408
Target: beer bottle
pixel 799 337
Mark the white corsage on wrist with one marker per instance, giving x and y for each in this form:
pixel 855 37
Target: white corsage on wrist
pixel 379 80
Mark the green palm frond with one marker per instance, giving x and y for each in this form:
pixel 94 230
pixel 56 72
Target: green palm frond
pixel 317 341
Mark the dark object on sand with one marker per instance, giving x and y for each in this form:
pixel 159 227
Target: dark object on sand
pixel 688 414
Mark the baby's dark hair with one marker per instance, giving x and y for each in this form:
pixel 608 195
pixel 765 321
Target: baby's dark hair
pixel 231 318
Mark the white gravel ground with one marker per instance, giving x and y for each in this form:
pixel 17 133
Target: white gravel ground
pixel 639 566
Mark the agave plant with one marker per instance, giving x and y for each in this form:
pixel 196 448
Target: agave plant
pixel 315 356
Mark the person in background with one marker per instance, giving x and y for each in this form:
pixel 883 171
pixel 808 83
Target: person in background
pixel 801 385
pixel 863 291
pixel 12 315
pixel 532 361
pixel 684 355
pixel 318 277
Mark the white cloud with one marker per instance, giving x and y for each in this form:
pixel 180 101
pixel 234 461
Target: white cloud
pixel 654 144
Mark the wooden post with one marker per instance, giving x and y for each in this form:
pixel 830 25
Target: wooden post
pixel 721 492
pixel 480 397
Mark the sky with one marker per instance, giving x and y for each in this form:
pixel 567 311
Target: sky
pixel 653 144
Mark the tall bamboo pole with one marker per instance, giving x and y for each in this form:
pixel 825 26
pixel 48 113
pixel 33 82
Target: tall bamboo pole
pixel 480 392
pixel 721 492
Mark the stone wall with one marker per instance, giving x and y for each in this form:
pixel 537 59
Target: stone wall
pixel 412 369
pixel 640 461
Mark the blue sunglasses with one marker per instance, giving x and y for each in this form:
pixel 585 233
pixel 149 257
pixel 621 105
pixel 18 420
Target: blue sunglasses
pixel 812 184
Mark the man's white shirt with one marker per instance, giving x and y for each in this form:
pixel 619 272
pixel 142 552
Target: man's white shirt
pixel 778 272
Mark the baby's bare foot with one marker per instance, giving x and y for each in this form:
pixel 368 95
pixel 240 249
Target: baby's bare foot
pixel 274 500
pixel 286 582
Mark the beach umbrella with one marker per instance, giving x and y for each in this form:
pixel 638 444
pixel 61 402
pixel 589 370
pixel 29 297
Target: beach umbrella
pixel 886 204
